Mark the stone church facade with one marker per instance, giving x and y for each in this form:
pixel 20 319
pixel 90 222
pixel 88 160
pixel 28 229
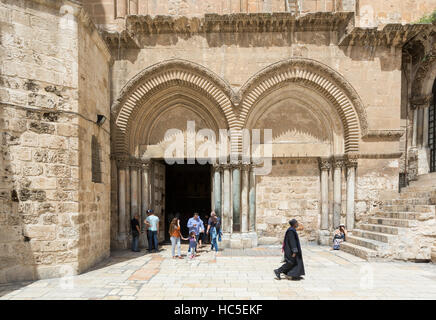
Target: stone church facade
pixel 347 87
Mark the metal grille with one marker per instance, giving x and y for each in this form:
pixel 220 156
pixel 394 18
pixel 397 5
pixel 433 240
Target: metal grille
pixel 95 164
pixel 432 131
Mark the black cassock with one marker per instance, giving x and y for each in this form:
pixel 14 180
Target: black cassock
pixel 294 267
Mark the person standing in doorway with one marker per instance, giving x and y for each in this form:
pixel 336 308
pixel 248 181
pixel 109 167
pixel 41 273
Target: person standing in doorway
pixel 294 266
pixel 194 225
pixel 152 222
pixel 135 233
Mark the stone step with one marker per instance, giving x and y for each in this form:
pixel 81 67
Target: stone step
pixel 418 188
pixel 426 177
pixel 410 194
pixel 381 237
pixel 397 215
pixel 358 251
pixel 408 201
pixel 378 228
pixel 408 208
pixel 363 242
pixel 393 222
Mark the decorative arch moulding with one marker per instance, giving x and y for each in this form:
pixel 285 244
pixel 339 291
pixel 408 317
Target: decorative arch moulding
pixel 236 106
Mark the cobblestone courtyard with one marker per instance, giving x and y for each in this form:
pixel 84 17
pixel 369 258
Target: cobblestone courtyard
pixel 235 274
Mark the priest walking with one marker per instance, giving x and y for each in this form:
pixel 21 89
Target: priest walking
pixel 294 266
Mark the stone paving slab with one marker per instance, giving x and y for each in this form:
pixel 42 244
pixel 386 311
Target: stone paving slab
pixel 236 275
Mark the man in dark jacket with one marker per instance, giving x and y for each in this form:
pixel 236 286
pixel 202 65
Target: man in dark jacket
pixel 293 266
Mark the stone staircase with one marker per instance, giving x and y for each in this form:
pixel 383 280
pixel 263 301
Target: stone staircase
pixel 402 228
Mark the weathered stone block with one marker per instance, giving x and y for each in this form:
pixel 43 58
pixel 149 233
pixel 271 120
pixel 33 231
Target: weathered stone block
pixel 40 232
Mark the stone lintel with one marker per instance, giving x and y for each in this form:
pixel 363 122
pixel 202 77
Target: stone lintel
pixel 383 135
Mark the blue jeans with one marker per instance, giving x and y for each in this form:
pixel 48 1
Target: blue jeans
pixel 175 242
pixel 213 235
pixel 135 241
pixel 152 239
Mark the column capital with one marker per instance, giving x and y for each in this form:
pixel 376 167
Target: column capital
pixel 351 160
pixel 338 161
pixel 217 167
pixel 135 163
pixel 146 164
pixel 351 163
pixel 421 101
pixel 226 166
pixel 236 165
pixel 246 166
pixel 121 160
pixel 324 164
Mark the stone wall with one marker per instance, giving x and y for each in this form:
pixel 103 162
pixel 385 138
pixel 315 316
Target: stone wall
pixel 42 217
pixel 291 190
pixel 374 177
pixel 373 13
pixel 94 100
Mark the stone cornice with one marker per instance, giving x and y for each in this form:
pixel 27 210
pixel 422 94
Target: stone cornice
pixel 143 25
pixel 383 135
pixel 395 35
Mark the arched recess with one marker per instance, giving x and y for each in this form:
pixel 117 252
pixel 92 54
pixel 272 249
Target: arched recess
pixel 303 122
pixel 181 78
pixel 172 108
pixel 321 79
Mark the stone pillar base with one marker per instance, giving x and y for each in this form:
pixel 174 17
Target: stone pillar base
pixel 121 242
pixel 324 237
pixel 143 241
pixel 239 240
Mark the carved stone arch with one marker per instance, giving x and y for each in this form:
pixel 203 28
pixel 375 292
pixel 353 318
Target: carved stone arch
pixel 161 103
pixel 176 72
pixel 320 78
pixel 426 73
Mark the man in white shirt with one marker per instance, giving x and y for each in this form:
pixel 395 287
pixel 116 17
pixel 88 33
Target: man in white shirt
pixel 152 223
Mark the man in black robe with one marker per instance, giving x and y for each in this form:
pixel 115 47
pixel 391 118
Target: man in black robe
pixel 293 266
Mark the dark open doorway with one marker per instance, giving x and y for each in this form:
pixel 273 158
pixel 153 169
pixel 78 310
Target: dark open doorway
pixel 187 190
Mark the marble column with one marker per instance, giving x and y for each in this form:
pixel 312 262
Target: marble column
pixel 145 192
pixel 244 197
pixel 252 200
pixel 324 165
pixel 351 178
pixel 133 191
pixel 128 193
pixel 121 203
pixel 415 127
pixel 217 189
pixel 425 128
pixel 236 193
pixel 337 191
pixel 227 221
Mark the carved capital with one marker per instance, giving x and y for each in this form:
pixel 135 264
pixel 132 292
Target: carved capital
pixel 324 164
pixel 146 164
pixel 351 163
pixel 421 102
pixel 338 162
